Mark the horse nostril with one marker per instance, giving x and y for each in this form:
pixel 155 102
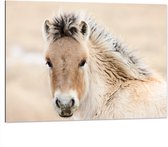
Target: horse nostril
pixel 72 102
pixel 58 103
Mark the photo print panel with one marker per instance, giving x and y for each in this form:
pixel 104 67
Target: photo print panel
pixel 85 61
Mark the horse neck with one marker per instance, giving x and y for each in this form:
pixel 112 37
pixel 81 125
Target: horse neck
pixel 93 100
pixel 107 70
pixel 98 91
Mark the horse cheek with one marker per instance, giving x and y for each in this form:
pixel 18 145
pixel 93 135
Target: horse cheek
pixel 80 85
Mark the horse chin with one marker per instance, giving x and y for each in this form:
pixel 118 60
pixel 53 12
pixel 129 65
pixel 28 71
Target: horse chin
pixel 65 114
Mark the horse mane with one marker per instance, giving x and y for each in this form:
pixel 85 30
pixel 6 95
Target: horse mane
pixel 67 24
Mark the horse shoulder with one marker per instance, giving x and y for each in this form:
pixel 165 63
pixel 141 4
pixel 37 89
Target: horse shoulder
pixel 139 99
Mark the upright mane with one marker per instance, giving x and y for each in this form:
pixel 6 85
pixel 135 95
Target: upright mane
pixel 67 24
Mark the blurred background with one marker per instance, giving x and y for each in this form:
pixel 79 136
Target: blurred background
pixel 28 97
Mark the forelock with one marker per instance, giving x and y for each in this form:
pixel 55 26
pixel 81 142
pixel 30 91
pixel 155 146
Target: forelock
pixel 65 24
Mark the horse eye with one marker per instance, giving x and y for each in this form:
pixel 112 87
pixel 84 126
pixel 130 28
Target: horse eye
pixel 49 63
pixel 82 63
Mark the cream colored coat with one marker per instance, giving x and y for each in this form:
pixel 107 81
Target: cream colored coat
pixel 120 86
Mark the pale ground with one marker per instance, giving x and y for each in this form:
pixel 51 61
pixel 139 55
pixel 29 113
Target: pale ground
pixel 28 98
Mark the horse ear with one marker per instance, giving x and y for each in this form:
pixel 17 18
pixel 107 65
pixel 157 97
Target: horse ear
pixel 47 25
pixel 83 28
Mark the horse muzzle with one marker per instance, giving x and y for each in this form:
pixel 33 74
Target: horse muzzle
pixel 65 107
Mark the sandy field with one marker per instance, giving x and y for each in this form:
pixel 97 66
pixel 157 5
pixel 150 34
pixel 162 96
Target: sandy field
pixel 28 97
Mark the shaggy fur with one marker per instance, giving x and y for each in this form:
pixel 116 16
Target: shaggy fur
pixel 120 86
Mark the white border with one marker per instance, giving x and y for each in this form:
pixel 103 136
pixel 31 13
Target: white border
pixel 132 133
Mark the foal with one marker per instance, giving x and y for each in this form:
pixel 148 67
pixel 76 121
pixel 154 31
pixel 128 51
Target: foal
pixel 93 76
